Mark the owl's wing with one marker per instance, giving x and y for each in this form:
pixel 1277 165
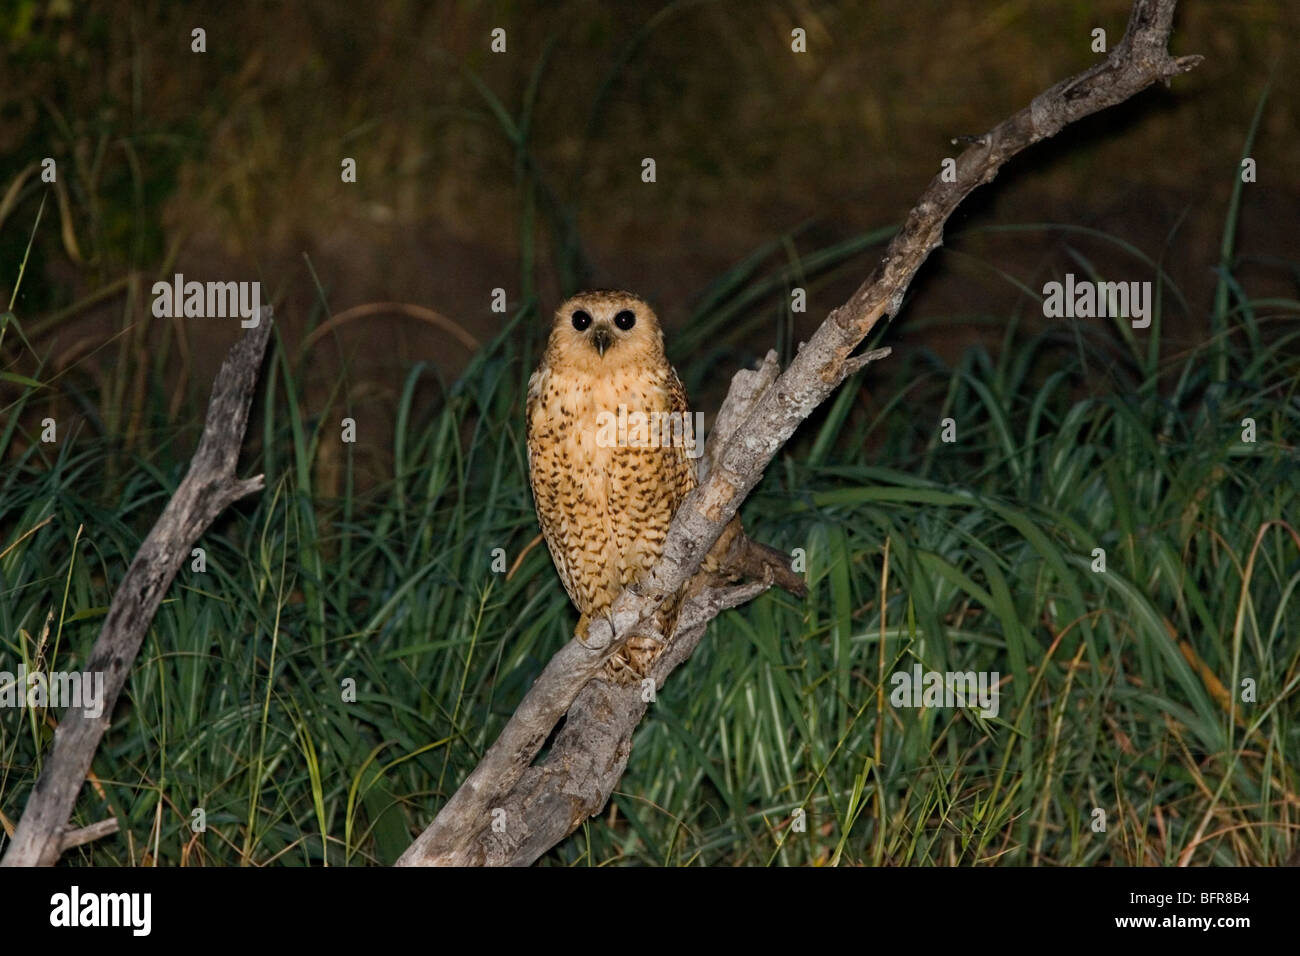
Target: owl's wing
pixel 676 392
pixel 683 477
pixel 535 385
pixel 545 488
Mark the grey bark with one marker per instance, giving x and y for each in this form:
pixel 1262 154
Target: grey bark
pixel 208 488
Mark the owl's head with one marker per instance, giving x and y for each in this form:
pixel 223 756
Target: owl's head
pixel 601 330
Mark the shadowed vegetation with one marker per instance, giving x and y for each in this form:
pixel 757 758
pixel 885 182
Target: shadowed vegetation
pixel 1120 690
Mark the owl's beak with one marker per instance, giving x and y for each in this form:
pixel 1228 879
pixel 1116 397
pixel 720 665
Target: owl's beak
pixel 601 339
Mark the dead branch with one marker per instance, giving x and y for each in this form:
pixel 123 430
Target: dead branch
pixel 536 807
pixel 96 831
pixel 209 487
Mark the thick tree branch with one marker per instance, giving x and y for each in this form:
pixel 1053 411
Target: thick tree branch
pixel 536 807
pixel 208 488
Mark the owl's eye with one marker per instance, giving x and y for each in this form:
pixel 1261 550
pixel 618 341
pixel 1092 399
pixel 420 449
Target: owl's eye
pixel 625 319
pixel 581 320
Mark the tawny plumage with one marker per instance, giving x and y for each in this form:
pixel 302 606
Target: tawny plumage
pixel 605 505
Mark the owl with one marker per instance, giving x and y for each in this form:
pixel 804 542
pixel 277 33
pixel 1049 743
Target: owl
pixel 611 456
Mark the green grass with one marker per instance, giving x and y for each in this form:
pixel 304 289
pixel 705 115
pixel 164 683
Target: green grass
pixel 1121 690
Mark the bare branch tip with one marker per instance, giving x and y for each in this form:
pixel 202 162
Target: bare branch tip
pixel 70 838
pixel 1183 64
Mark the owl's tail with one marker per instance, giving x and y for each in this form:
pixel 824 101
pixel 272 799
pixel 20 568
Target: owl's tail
pixel 738 556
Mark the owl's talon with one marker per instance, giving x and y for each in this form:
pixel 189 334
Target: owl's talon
pixel 582 633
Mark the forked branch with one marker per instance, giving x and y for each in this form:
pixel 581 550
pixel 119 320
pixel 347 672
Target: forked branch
pixel 208 488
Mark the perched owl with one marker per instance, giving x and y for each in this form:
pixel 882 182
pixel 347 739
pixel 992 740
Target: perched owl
pixel 611 456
